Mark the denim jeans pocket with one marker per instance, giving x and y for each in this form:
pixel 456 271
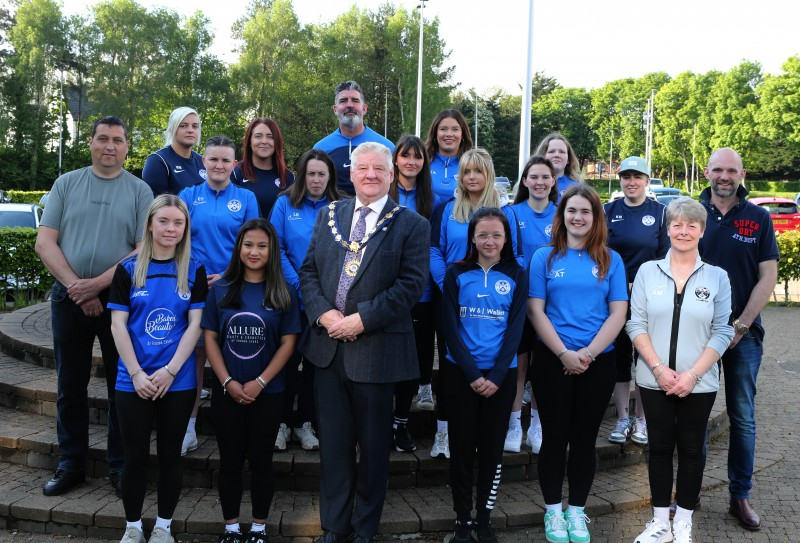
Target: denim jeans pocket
pixel 59 293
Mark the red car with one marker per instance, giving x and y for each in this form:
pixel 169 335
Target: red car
pixel 783 211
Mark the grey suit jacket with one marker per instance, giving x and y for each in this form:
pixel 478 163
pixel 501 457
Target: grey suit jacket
pixel 389 282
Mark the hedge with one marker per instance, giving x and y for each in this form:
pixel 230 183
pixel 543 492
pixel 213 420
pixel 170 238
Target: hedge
pixel 23 277
pixel 789 264
pixel 26 196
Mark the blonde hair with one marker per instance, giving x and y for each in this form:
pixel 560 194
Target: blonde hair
pixel 175 119
pixel 182 249
pixel 480 160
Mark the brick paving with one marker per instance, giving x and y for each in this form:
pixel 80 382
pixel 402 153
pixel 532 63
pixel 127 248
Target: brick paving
pixel 617 506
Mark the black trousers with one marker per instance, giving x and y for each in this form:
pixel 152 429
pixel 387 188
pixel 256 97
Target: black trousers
pixel 136 416
pixel 246 431
pixel 422 315
pixel 441 348
pixel 676 422
pixel 571 408
pixel 299 378
pixel 350 414
pixel 478 424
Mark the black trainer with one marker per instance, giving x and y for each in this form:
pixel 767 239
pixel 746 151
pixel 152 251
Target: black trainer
pixel 402 439
pixel 484 533
pixel 462 532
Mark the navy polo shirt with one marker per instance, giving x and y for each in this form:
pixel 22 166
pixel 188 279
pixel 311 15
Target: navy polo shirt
pixel 738 242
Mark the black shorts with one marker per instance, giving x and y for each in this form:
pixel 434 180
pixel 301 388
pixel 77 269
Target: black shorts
pixel 528 339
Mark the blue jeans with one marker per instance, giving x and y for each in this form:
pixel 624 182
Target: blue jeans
pixel 740 366
pixel 73 338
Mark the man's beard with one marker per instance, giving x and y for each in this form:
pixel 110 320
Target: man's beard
pixel 350 119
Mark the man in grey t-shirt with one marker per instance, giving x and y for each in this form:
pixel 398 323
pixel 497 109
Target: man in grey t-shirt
pixel 94 218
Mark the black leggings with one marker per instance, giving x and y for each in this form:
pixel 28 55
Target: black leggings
pixel 136 415
pixel 246 431
pixel 478 423
pixel 571 408
pixel 424 330
pixel 681 422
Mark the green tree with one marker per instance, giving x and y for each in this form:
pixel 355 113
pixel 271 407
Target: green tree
pixel 732 106
pixel 566 111
pixel 38 42
pixel 778 117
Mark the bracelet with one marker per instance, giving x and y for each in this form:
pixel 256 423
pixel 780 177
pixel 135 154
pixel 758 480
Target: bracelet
pixel 696 377
pixel 659 374
pixel 655 367
pixel 132 375
pixel 559 355
pixel 261 382
pixel 169 370
pixel 589 353
pixel 225 382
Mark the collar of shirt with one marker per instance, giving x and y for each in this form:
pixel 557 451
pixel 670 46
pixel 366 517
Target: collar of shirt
pixel 371 218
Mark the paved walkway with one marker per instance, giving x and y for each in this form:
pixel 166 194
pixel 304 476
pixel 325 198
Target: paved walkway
pixel 775 495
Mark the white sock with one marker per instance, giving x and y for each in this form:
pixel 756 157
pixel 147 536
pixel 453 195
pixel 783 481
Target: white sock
pixel 233 527
pixel 190 427
pixel 683 514
pixel 514 420
pixel 258 528
pixel 163 523
pixel 661 514
pixel 535 418
pixel 135 524
pixel 574 510
pixel 555 507
pixel 441 426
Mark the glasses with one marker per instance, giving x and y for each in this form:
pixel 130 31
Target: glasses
pixel 483 238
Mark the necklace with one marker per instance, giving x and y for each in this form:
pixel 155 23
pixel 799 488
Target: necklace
pixel 355 246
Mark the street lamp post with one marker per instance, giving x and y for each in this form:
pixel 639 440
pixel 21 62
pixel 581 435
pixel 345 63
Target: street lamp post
pixel 419 67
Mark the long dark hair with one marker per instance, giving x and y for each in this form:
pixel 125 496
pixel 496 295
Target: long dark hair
pixel 413 144
pixel 522 191
pixel 595 244
pixel 276 293
pixel 278 162
pixel 506 253
pixel 297 191
pixel 432 144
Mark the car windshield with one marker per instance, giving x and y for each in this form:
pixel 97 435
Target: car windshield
pixel 781 208
pixel 17 218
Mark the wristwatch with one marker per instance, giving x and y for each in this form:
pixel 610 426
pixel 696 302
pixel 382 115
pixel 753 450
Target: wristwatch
pixel 740 328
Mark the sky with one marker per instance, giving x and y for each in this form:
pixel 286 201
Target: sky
pixel 581 43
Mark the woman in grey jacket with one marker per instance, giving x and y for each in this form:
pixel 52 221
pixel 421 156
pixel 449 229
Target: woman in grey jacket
pixel 680 309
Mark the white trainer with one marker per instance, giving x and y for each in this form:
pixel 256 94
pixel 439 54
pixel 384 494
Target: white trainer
pixel 425 398
pixel 534 440
pixel 656 531
pixel 284 435
pixel 639 431
pixel 189 443
pixel 160 535
pixel 441 445
pixel 682 531
pixel 513 441
pixel 307 437
pixel 133 535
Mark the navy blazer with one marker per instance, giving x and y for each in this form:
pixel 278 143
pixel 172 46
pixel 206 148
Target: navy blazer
pixel 389 282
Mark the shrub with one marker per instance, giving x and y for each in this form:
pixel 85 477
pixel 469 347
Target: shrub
pixel 26 196
pixel 23 277
pixel 789 264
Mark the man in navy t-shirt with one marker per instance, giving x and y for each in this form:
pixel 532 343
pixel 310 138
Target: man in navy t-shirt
pixel 350 108
pixel 740 239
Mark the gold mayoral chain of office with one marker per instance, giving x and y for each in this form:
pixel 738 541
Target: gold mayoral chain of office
pixel 356 246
